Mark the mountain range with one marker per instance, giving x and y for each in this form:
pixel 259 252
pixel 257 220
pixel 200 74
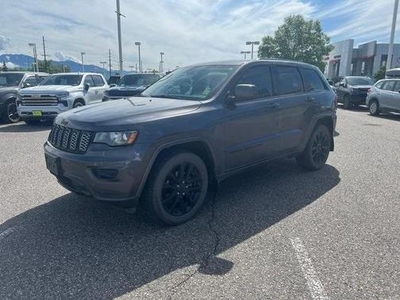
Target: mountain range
pixel 26 61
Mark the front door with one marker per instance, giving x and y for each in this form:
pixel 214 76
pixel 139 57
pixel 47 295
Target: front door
pixel 252 125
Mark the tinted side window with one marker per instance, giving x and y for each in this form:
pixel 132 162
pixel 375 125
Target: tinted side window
pixel 379 84
pixel 312 81
pixel 396 86
pixel 98 80
pixel 260 76
pixel 89 80
pixel 388 86
pixel 289 80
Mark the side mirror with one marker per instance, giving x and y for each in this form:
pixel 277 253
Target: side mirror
pixel 86 87
pixel 26 85
pixel 342 84
pixel 113 85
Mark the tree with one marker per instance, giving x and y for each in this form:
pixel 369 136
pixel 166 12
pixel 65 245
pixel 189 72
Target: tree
pixel 52 68
pixel 380 74
pixel 299 40
pixel 4 66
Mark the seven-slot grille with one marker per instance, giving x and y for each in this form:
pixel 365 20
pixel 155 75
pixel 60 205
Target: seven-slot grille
pixel 68 139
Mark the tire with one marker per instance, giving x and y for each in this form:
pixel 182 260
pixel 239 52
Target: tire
pixel 373 107
pixel 346 102
pixel 10 114
pixel 176 188
pixel 317 150
pixel 32 122
pixel 78 103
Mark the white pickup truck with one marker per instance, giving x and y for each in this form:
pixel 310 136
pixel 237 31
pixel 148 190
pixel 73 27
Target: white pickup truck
pixel 59 93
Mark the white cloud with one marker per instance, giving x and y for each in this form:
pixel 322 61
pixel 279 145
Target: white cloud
pixel 60 56
pixel 187 31
pixel 4 42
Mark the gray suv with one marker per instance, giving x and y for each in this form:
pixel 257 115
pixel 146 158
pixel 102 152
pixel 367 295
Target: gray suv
pixel 10 84
pixel 196 125
pixel 384 96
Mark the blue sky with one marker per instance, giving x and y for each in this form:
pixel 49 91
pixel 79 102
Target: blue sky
pixel 187 31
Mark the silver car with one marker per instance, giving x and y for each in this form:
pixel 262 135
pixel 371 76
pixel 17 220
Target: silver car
pixel 384 96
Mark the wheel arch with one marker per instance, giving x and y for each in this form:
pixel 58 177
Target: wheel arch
pixel 322 120
pixel 79 100
pixel 200 147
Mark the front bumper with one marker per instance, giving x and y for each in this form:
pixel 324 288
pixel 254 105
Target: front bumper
pixel 358 99
pixel 103 173
pixel 46 112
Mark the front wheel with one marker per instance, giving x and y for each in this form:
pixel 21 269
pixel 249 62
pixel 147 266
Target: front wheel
pixel 346 102
pixel 317 150
pixel 176 188
pixel 374 108
pixel 10 113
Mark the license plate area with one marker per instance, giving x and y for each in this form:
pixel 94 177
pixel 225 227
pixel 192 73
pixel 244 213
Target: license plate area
pixel 37 113
pixel 53 164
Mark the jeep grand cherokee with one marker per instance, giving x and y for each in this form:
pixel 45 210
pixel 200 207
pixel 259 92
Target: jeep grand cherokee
pixel 197 124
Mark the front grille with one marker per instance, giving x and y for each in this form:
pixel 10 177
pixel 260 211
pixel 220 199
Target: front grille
pixel 71 140
pixel 39 100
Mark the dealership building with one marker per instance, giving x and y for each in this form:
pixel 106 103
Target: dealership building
pixel 364 60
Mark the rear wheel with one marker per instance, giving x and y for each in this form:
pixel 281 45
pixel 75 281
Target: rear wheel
pixel 374 108
pixel 317 150
pixel 10 114
pixel 176 188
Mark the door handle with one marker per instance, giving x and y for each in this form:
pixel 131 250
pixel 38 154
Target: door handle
pixel 274 105
pixel 310 99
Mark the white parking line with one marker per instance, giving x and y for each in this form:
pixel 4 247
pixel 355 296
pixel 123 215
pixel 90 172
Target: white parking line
pixel 314 284
pixel 7 232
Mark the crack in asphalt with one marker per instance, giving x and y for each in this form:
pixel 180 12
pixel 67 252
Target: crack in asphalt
pixel 206 259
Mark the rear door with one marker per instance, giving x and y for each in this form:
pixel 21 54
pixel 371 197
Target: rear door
pixel 252 125
pixel 100 86
pixel 294 106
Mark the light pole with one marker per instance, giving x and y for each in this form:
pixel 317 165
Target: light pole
pixel 140 62
pixel 104 67
pixel 390 53
pixel 119 37
pixel 36 66
pixel 131 68
pixel 83 66
pixel 161 62
pixel 245 52
pixel 252 44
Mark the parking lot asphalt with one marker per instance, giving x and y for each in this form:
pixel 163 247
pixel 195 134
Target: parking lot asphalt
pixel 274 232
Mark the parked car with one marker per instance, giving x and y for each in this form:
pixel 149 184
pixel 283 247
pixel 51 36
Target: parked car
pixel 59 93
pixel 114 79
pixel 197 125
pixel 130 85
pixel 352 90
pixel 384 96
pixel 10 84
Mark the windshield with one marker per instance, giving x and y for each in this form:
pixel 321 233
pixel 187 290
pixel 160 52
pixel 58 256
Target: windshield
pixel 191 83
pixel 10 79
pixel 62 80
pixel 360 81
pixel 138 79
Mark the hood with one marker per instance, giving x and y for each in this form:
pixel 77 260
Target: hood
pixel 8 89
pixel 125 90
pixel 49 88
pixel 126 113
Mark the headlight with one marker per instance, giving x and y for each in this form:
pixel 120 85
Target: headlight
pixel 121 138
pixel 63 94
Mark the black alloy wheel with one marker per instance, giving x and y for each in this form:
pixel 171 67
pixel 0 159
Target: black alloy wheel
pixel 317 150
pixel 11 113
pixel 176 188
